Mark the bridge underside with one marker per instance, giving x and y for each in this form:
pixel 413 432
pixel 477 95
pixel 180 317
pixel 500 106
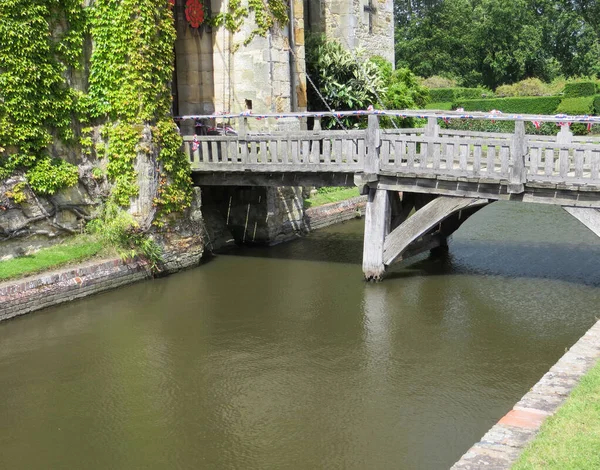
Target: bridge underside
pixel 409 214
pixel 393 234
pixel 273 179
pixel 543 193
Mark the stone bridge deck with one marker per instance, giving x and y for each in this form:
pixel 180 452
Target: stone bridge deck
pixel 442 174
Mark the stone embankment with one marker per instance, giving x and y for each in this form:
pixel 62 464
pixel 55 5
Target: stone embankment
pixel 48 289
pixel 502 445
pixel 334 213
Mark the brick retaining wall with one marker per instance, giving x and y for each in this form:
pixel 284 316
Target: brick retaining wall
pixel 47 289
pixel 334 213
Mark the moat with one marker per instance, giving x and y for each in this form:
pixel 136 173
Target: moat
pixel 284 357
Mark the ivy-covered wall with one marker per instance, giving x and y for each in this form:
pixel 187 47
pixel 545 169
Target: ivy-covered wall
pixel 68 70
pixel 85 105
pixel 41 44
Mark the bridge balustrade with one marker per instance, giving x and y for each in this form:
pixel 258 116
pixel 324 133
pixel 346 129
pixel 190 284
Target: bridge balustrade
pixel 429 152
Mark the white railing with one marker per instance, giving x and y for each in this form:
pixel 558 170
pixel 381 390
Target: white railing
pixel 428 152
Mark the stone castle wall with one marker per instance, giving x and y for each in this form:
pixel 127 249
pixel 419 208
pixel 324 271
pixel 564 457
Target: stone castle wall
pixel 347 21
pixel 217 73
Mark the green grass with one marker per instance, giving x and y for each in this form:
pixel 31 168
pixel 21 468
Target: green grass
pixel 571 438
pixel 328 195
pixel 83 247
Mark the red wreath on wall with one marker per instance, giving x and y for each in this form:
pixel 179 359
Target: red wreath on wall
pixel 194 13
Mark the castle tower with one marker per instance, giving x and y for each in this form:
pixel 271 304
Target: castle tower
pixel 217 73
pixel 368 24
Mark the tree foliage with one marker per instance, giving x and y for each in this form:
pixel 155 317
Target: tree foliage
pixel 348 82
pixel 344 82
pixel 491 43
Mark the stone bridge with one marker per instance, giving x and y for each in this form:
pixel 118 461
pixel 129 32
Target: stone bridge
pixel 422 183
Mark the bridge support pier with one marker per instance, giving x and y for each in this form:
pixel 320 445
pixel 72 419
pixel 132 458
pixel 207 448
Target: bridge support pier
pixel 587 216
pixel 392 234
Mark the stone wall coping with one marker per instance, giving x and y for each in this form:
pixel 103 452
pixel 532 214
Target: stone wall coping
pixel 16 286
pixel 354 202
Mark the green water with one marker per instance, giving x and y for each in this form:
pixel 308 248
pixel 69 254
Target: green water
pixel 283 358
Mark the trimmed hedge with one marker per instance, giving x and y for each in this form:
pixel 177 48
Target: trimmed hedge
pixel 442 95
pixel 445 95
pixel 473 93
pixel 522 105
pixel 578 89
pixel 445 106
pixel 547 128
pixel 576 106
pixel 597 105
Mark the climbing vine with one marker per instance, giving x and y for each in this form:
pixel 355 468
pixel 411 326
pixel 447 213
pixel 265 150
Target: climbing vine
pixel 130 70
pixel 40 41
pixel 121 151
pixel 132 62
pixel 175 181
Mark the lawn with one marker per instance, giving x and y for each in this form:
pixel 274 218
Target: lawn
pixel 83 247
pixel 571 438
pixel 328 195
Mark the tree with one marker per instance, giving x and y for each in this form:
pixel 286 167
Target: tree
pixel 490 42
pixel 507 41
pixel 440 43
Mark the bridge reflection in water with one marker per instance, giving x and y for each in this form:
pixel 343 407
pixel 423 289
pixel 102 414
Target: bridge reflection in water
pixel 422 183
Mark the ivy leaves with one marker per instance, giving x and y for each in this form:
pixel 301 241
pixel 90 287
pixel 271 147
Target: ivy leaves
pixel 41 42
pixel 36 102
pixel 132 60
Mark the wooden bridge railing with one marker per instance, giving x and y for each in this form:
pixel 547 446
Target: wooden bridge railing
pixel 429 152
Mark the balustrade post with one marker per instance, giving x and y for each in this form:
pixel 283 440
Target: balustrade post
pixel 373 143
pixel 565 136
pixel 432 129
pixel 243 126
pixel 518 151
pixel 242 145
pixel 317 124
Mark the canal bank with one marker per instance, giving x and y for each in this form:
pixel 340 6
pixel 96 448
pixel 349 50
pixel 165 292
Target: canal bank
pixel 44 290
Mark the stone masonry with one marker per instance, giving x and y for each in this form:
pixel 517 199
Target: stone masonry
pixel 355 23
pixel 217 73
pixel 45 290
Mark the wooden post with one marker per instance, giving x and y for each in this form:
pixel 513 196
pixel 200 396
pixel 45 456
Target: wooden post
pixel 317 124
pixel 432 129
pixel 243 146
pixel 377 226
pixel 243 126
pixel 518 175
pixel 373 143
pixel 565 136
